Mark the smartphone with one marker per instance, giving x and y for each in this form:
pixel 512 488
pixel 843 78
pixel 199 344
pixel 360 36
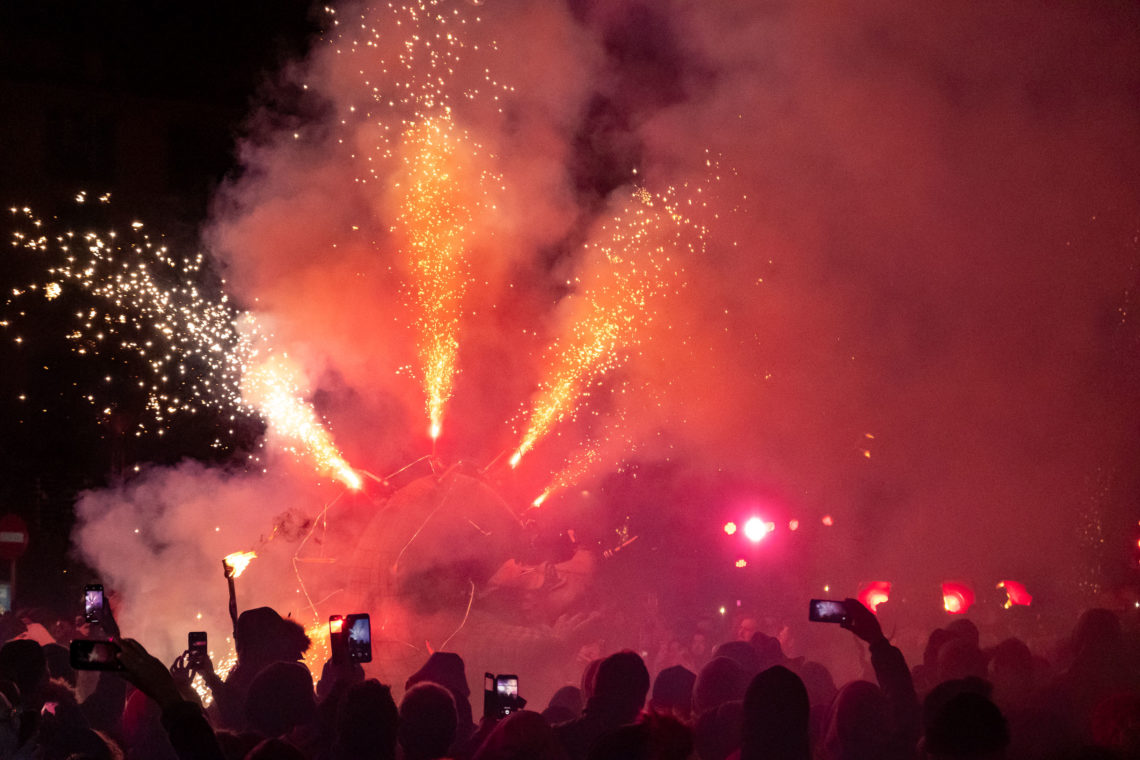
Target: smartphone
pixel 358 638
pixel 196 645
pixel 93 603
pixel 827 611
pixel 95 655
pixel 501 695
pixel 336 638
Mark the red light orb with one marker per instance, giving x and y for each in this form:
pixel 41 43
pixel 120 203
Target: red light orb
pixel 793 524
pixel 957 598
pixel 827 521
pixel 742 563
pixel 755 529
pixel 730 528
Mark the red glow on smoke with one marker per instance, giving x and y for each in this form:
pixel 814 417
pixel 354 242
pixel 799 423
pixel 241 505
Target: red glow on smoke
pixel 1015 594
pixel 875 593
pixel 957 598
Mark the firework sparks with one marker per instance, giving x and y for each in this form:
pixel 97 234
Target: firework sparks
pixel 269 386
pixel 411 53
pixel 636 268
pixel 238 562
pixel 138 298
pixel 436 220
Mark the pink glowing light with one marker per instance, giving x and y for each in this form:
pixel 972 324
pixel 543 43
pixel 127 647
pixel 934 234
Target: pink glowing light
pixel 755 529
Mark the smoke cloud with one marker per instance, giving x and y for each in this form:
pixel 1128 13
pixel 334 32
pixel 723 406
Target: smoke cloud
pixel 911 311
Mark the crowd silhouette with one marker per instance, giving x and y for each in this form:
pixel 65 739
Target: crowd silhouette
pixel 743 699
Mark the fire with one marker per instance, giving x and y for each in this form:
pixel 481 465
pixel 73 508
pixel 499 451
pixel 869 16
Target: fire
pixel 269 388
pixel 238 562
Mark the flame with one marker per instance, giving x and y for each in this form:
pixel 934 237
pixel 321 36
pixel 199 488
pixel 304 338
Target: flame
pixel 239 561
pixel 270 388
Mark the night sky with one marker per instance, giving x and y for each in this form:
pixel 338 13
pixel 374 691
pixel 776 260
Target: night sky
pixel 912 312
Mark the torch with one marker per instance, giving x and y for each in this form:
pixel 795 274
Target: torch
pixel 234 565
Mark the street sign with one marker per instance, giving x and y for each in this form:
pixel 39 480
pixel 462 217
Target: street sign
pixel 13 537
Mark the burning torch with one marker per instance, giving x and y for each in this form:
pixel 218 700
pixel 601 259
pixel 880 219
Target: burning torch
pixel 234 565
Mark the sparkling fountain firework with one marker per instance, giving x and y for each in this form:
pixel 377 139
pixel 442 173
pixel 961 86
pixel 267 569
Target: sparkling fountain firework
pixel 140 299
pixel 630 271
pixel 269 385
pixel 411 54
pixel 436 221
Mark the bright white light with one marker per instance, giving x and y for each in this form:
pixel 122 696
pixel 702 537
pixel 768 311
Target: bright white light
pixel 755 529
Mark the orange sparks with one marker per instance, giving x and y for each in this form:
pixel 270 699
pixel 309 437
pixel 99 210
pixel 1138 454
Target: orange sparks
pixel 436 218
pixel 630 271
pixel 270 388
pixel 238 562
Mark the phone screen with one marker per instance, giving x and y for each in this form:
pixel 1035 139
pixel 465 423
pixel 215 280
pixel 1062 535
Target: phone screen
pixel 507 686
pixel 196 643
pixel 358 638
pixel 95 655
pixel 826 611
pixel 93 603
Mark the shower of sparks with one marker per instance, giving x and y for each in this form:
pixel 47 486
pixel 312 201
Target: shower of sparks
pixel 632 269
pixel 238 562
pixel 405 57
pixel 137 298
pixel 222 669
pixel 270 386
pixel 436 221
pixel 132 295
pixel 319 650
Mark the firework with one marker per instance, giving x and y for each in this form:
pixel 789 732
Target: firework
pixel 635 267
pixel 136 297
pixel 436 220
pixel 270 387
pixel 406 56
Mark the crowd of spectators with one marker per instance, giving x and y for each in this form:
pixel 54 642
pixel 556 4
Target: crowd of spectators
pixel 744 698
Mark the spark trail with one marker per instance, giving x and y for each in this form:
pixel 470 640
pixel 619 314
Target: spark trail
pixel 270 386
pixel 630 271
pixel 138 298
pixel 436 221
pixel 406 56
